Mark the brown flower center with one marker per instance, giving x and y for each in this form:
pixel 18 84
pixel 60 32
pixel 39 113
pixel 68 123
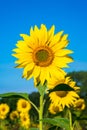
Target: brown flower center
pixel 79 104
pixel 43 56
pixel 3 109
pixel 24 105
pixel 61 93
pixel 24 118
pixel 15 115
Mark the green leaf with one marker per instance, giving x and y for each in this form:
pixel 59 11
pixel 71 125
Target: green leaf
pixel 33 128
pixel 23 95
pixel 61 87
pixel 60 122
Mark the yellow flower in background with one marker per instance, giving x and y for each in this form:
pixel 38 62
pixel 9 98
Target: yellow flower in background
pixel 24 120
pixel 2 117
pixel 80 104
pixel 63 98
pixel 14 115
pixel 4 109
pixel 55 109
pixel 43 54
pixel 23 105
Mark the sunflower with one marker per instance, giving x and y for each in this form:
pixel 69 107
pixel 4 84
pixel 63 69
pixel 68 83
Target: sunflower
pixel 42 54
pixel 23 105
pixel 2 117
pixel 54 109
pixel 63 98
pixel 24 120
pixel 66 80
pixel 4 109
pixel 79 104
pixel 14 115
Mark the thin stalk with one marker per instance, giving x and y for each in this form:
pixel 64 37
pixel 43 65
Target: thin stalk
pixel 41 112
pixel 34 106
pixel 70 118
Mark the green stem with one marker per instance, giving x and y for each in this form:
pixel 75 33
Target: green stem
pixel 41 112
pixel 34 106
pixel 70 118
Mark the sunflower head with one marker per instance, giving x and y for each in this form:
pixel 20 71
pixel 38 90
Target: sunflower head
pixel 79 104
pixel 55 109
pixel 24 120
pixel 63 98
pixel 64 80
pixel 14 115
pixel 23 105
pixel 2 117
pixel 4 109
pixel 43 54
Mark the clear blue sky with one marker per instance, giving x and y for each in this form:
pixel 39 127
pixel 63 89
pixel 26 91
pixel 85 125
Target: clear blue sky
pixel 17 16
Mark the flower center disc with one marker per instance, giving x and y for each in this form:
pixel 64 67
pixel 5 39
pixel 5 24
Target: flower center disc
pixel 61 93
pixel 43 56
pixel 24 105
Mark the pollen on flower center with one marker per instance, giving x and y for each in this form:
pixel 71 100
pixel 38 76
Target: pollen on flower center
pixel 43 56
pixel 61 93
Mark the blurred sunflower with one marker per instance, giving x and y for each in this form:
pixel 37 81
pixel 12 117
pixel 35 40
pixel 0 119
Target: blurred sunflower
pixel 2 117
pixel 24 120
pixel 4 109
pixel 14 115
pixel 63 98
pixel 54 109
pixel 42 54
pixel 79 104
pixel 23 105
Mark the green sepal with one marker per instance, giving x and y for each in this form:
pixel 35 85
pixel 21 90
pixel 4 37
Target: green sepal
pixel 42 88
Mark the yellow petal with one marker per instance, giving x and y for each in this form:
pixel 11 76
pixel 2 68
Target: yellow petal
pixel 63 52
pixel 56 38
pixel 56 72
pixel 25 37
pixel 34 37
pixel 59 63
pixel 59 45
pixel 22 65
pixel 28 68
pixel 43 35
pixel 64 37
pixel 23 46
pixel 36 71
pixel 42 76
pixel 50 33
pixel 63 60
pixel 17 50
pixel 22 55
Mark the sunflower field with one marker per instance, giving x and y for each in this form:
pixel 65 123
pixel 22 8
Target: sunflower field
pixel 60 101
